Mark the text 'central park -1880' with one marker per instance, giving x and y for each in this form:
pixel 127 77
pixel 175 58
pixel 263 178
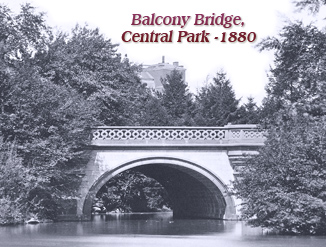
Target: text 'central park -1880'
pixel 56 87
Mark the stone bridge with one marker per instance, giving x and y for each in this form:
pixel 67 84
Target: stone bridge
pixel 194 164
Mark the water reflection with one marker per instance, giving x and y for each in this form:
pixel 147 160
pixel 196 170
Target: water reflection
pixel 147 229
pixel 156 224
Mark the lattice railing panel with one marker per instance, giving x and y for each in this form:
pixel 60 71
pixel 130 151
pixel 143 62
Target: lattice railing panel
pixel 245 134
pixel 235 134
pixel 159 134
pixel 250 134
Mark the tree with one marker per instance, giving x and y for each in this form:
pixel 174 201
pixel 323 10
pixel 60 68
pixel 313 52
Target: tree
pixel 88 62
pixel 47 122
pixel 248 113
pixel 298 77
pixel 15 181
pixel 312 5
pixel 154 113
pixel 283 187
pixel 216 103
pixel 21 36
pixel 176 99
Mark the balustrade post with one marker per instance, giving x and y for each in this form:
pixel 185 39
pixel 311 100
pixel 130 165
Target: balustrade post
pixel 242 134
pixel 227 134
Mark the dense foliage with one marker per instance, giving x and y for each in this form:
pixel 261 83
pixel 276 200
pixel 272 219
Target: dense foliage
pixel 43 122
pixel 154 114
pixel 216 103
pixel 299 73
pixel 89 63
pixel 312 5
pixel 53 88
pixel 283 187
pixel 132 191
pixel 249 113
pixel 15 181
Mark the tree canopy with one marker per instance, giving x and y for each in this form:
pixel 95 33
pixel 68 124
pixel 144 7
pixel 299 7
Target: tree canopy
pixel 53 88
pixel 299 73
pixel 312 5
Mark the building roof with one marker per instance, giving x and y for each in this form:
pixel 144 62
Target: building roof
pixel 153 74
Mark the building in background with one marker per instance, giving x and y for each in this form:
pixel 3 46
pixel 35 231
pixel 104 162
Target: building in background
pixel 152 74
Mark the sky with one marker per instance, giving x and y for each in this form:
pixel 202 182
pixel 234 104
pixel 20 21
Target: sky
pixel 245 66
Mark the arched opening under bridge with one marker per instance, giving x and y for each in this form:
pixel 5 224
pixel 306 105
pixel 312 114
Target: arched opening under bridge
pixel 194 191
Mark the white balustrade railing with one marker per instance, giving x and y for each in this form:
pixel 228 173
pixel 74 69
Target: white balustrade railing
pixel 128 135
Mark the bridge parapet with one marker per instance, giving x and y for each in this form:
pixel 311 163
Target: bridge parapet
pixel 229 135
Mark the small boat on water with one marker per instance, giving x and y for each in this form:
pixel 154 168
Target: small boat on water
pixel 33 221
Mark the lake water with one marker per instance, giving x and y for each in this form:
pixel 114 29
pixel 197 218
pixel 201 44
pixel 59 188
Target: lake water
pixel 147 230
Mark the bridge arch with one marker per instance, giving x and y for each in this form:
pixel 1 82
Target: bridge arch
pixel 195 191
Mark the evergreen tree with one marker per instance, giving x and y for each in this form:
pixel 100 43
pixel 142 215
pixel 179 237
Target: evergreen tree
pixel 154 113
pixel 177 100
pixel 216 103
pixel 248 113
